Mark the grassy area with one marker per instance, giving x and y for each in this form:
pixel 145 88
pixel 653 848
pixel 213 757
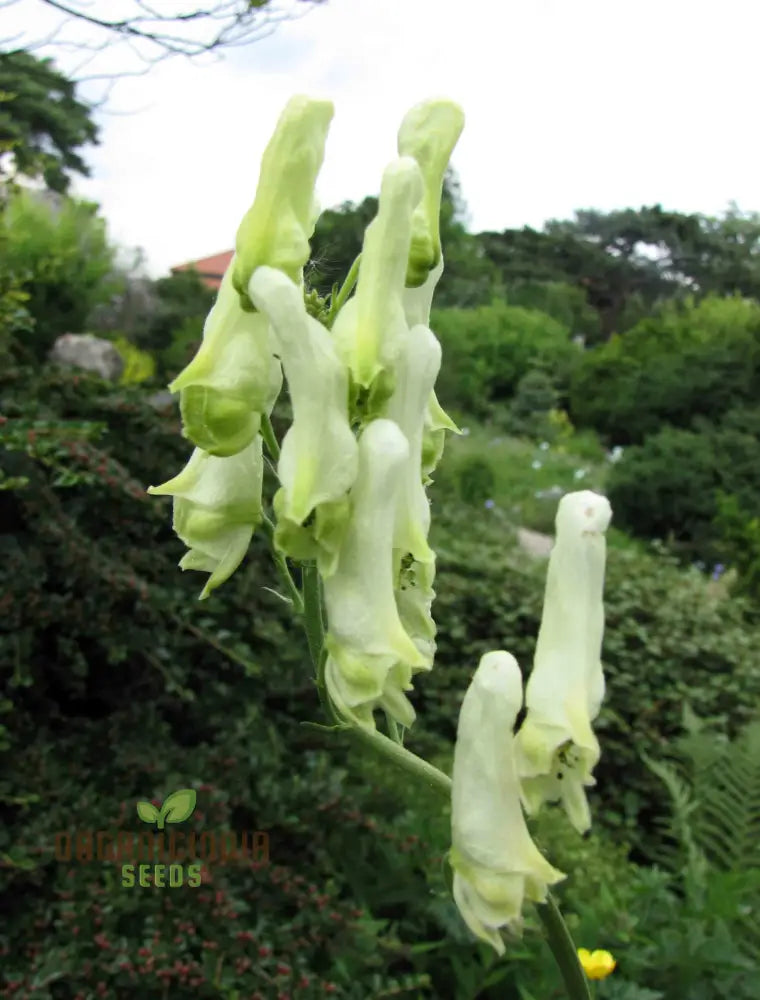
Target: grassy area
pixel 522 478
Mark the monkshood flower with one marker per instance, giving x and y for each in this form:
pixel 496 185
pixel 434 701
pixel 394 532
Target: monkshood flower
pixel 369 328
pixel 278 226
pixel 232 379
pixel 557 748
pixel 217 506
pixel 417 369
pixel 414 599
pixel 319 455
pixel 370 655
pixel 429 133
pixel 224 387
pixel 496 864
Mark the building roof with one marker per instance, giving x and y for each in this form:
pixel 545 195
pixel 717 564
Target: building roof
pixel 210 269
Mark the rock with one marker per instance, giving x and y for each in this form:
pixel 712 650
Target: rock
pixel 82 350
pixel 534 543
pixel 162 401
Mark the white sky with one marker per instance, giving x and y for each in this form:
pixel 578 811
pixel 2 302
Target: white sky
pixel 569 104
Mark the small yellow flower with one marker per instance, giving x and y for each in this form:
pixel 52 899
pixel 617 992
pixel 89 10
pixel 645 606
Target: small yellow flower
pixel 596 964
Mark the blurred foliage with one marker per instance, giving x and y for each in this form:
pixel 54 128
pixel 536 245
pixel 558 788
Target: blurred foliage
pixel 139 366
pixel 739 529
pixel 535 399
pixel 42 124
pixel 175 329
pixel 566 303
pixel 58 252
pixel 692 359
pixel 486 351
pixel 668 487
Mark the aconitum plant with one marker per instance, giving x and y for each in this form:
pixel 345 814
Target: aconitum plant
pixel 350 520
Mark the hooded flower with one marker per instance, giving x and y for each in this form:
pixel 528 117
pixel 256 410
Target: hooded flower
pixel 416 371
pixel 319 455
pixel 414 599
pixel 369 328
pixel 217 506
pixel 232 379
pixel 278 226
pixel 429 133
pixel 496 864
pixel 557 748
pixel 370 655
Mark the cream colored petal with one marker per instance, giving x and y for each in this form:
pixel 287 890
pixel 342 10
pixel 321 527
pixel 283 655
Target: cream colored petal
pixel 319 455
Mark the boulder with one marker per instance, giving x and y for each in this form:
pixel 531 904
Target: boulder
pixel 92 354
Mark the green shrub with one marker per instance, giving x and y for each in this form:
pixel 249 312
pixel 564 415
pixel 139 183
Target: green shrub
pixel 486 351
pixel 690 360
pixel 535 398
pixel 739 533
pixel 175 329
pixel 60 254
pixel 568 304
pixel 668 486
pixel 476 480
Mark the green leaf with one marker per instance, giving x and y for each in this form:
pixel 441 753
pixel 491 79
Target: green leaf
pixel 178 806
pixel 147 812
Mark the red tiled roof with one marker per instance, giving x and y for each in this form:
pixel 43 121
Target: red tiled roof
pixel 210 269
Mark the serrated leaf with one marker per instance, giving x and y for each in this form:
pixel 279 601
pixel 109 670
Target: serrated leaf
pixel 178 806
pixel 147 812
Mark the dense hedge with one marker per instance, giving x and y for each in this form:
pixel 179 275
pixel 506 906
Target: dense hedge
pixel 486 351
pixel 669 486
pixel 690 360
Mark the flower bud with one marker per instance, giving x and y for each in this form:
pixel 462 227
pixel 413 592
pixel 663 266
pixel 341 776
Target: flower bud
pixel 428 133
pixel 496 864
pixel 368 329
pixel 278 226
pixel 557 748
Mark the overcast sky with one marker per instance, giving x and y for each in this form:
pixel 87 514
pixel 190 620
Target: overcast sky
pixel 569 104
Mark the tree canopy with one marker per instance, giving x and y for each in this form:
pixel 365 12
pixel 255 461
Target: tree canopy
pixel 42 123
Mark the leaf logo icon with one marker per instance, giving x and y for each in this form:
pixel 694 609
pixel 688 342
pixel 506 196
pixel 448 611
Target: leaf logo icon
pixel 177 807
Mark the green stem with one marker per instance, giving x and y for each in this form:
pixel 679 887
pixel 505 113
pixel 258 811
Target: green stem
pixel 564 950
pixel 269 436
pixel 282 565
pixel 402 758
pixel 348 286
pixel 312 605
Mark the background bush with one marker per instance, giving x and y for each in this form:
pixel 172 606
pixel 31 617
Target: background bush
pixel 58 250
pixel 486 351
pixel 669 485
pixel 692 359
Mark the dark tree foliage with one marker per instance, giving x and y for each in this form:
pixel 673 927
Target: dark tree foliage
pixel 42 123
